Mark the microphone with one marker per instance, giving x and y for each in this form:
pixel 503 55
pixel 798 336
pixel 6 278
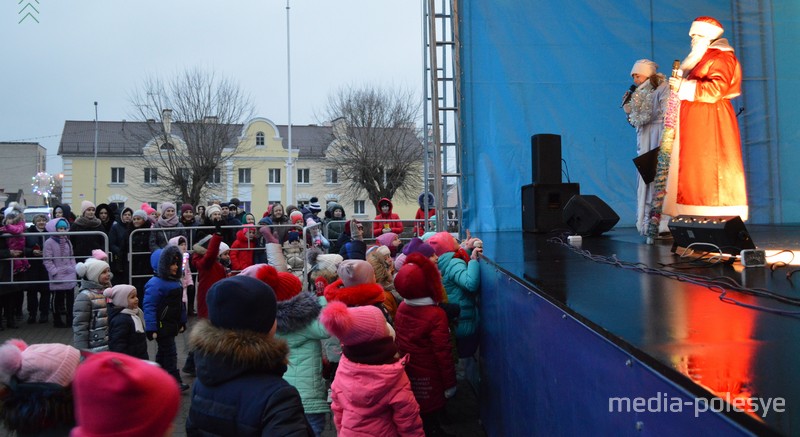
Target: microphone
pixel 676 68
pixel 628 94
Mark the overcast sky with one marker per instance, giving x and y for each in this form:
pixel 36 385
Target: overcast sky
pixel 84 51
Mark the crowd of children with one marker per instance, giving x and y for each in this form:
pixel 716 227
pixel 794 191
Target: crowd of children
pixel 289 330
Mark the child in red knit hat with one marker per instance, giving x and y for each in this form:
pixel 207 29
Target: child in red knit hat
pixel 423 333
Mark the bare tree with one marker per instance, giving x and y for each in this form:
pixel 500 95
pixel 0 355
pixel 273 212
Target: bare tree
pixel 205 125
pixel 376 145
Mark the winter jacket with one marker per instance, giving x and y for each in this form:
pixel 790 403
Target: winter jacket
pixel 118 245
pixel 374 400
pixel 395 226
pixel 239 390
pixel 354 249
pixel 57 259
pixel 122 335
pixel 419 223
pixel 209 271
pixel 334 225
pixel 298 324
pixel 90 318
pixel 293 252
pixel 462 281
pixel 424 334
pixel 186 277
pixel 160 237
pixel 164 311
pixel 36 269
pixel 84 244
pixel 140 258
pixel 250 250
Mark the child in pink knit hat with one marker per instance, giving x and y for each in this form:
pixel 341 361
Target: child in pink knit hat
pixel 35 384
pixel 371 393
pixel 126 332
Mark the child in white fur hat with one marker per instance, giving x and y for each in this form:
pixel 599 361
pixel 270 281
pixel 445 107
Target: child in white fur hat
pixel 126 332
pixel 89 313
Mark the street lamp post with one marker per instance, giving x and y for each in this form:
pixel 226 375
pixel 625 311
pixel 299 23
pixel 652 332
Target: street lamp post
pixel 94 196
pixel 289 161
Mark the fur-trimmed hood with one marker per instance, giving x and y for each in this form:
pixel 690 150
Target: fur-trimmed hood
pixel 298 312
pixel 357 295
pixel 224 354
pixel 161 259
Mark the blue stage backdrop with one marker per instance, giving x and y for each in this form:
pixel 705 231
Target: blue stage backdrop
pixel 562 68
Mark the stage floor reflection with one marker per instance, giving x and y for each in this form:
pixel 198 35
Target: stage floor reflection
pixel 670 311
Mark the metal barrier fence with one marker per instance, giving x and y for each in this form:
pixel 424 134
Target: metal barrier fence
pixel 190 232
pixel 11 260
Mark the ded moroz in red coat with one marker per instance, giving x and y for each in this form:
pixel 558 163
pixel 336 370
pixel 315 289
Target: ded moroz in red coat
pixel 423 332
pixel 711 177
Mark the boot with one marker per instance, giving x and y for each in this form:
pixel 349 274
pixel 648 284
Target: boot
pixel 43 318
pixel 12 322
pixel 57 322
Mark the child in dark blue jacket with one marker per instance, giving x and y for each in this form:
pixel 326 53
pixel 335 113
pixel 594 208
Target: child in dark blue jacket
pixel 126 322
pixel 164 310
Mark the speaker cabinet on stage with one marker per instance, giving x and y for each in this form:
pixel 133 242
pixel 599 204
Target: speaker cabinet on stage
pixel 546 159
pixel 726 233
pixel 543 206
pixel 589 215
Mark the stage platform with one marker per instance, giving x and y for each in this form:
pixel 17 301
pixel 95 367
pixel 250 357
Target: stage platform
pixel 632 310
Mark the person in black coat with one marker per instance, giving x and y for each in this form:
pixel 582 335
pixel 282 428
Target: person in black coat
pixel 118 246
pixel 84 244
pixel 240 388
pixel 141 270
pixel 126 332
pixel 38 294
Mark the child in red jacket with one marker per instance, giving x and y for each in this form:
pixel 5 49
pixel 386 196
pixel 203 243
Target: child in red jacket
pixel 423 333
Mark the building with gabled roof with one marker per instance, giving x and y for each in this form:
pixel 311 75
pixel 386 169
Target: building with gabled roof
pixel 256 176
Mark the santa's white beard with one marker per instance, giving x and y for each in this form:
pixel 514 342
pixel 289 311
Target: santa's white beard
pixel 699 47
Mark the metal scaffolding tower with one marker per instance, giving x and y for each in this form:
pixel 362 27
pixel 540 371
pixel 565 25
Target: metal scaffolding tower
pixel 441 111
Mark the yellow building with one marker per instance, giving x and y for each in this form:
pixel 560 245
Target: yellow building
pixel 256 174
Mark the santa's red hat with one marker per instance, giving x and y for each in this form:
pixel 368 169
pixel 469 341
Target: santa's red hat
pixel 707 27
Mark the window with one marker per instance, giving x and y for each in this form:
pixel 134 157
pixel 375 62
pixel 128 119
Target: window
pixel 151 175
pixel 244 205
pixel 303 176
pixel 216 177
pixel 331 176
pixel 117 175
pixel 153 205
pixel 186 174
pixel 274 176
pixel 119 205
pixel 358 207
pixel 259 138
pixel 244 175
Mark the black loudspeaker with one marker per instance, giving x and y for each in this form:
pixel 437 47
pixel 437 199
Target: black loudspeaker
pixel 546 159
pixel 543 206
pixel 589 215
pixel 726 233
